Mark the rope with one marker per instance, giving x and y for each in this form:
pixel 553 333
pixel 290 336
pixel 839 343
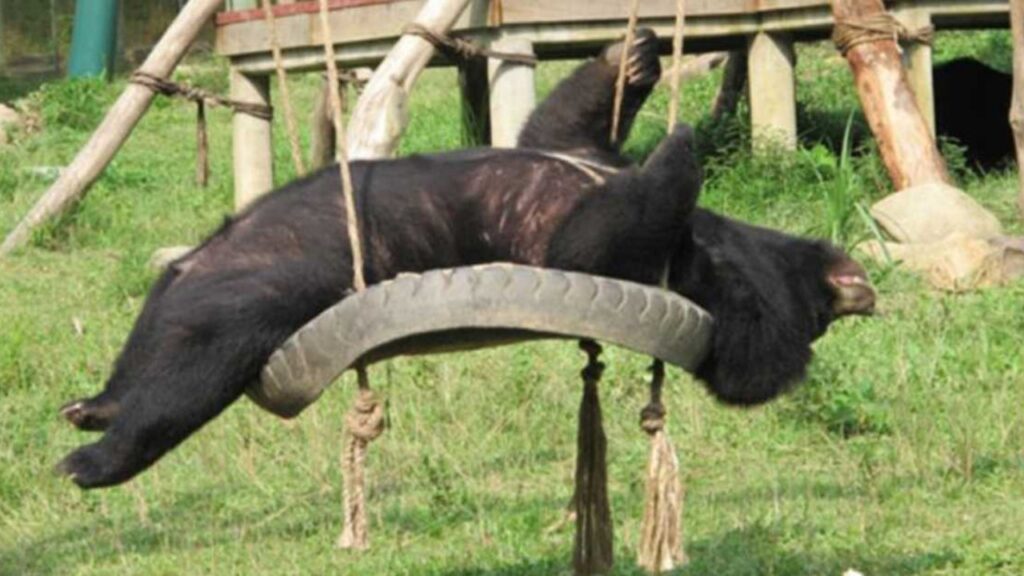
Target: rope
pixel 282 81
pixel 620 83
pixel 660 547
pixel 364 423
pixel 459 50
pixel 355 533
pixel 593 544
pixel 202 99
pixel 854 31
pixel 677 63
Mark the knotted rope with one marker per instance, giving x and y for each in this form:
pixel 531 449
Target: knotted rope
pixel 854 31
pixel 202 99
pixel 592 549
pixel 364 423
pixel 457 49
pixel 355 532
pixel 661 544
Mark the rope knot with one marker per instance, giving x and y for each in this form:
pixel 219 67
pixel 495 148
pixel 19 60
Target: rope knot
pixel 461 50
pixel 365 419
pixel 652 418
pixel 854 31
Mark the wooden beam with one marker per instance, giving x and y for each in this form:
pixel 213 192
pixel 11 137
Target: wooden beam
pixel 904 138
pixel 1017 105
pixel 118 124
pixel 252 140
pixel 770 68
pixel 513 92
pixel 917 59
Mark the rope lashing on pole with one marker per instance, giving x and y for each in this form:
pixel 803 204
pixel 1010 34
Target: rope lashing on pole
pixel 850 32
pixel 202 99
pixel 457 49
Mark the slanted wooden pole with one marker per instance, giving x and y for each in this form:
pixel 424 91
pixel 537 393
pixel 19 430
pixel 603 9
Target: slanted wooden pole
pixel 770 62
pixel 1017 104
pixel 904 138
pixel 117 126
pixel 381 114
pixel 513 92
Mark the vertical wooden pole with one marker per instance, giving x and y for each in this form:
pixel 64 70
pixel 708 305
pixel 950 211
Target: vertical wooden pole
pixel 513 92
pixel 917 58
pixel 904 140
pixel 322 145
pixel 1017 104
pixel 770 64
pixel 476 102
pixel 252 140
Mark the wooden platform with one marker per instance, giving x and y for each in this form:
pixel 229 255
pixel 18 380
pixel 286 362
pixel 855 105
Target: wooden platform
pixel 364 31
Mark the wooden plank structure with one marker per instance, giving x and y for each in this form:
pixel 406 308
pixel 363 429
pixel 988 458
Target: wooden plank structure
pixel 365 30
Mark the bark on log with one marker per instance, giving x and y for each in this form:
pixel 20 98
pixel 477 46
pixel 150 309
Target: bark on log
pixel 904 138
pixel 381 114
pixel 117 126
pixel 1017 104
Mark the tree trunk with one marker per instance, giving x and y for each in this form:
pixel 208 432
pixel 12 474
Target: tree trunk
pixel 381 114
pixel 117 126
pixel 904 138
pixel 1017 105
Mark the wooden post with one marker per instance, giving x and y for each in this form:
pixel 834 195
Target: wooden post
pixel 117 125
pixel 770 64
pixel 734 78
pixel 917 58
pixel 475 92
pixel 321 145
pixel 381 114
pixel 904 139
pixel 513 92
pixel 252 138
pixel 1017 104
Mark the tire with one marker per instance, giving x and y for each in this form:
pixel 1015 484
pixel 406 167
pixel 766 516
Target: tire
pixel 475 307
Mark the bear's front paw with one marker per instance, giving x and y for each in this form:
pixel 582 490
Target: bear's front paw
pixel 91 466
pixel 89 415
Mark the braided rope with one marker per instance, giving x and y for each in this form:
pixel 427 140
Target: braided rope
pixel 460 50
pixel 620 83
pixel 282 81
pixel 677 63
pixel 850 32
pixel 198 95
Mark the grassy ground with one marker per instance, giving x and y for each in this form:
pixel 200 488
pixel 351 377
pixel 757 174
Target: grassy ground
pixel 903 453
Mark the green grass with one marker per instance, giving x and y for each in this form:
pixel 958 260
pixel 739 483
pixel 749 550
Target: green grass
pixel 903 453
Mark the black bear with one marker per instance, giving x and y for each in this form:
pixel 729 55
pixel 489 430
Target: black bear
pixel 972 105
pixel 214 317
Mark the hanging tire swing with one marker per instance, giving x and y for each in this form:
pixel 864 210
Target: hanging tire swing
pixel 489 305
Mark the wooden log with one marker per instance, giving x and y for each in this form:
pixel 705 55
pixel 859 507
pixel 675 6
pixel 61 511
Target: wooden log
pixel 252 140
pixel 117 125
pixel 904 139
pixel 322 146
pixel 917 59
pixel 513 92
pixel 1017 104
pixel 476 102
pixel 381 114
pixel 734 79
pixel 770 65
